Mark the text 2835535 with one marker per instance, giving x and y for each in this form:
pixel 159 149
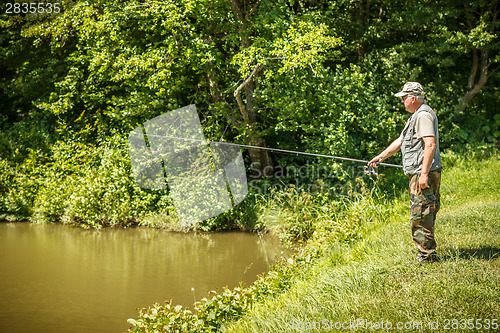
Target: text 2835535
pixel 17 8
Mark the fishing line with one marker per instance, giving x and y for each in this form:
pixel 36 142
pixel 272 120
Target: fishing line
pixel 279 150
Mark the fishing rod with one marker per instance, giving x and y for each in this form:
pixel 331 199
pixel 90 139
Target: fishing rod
pixel 368 170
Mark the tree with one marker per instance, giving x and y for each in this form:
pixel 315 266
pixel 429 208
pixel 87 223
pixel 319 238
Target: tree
pixel 274 40
pixel 481 22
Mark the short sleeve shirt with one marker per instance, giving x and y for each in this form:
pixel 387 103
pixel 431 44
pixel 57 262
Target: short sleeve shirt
pixel 424 125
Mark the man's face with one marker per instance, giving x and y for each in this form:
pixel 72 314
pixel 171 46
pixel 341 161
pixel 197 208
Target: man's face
pixel 408 101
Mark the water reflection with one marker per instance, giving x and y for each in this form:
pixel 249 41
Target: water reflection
pixel 57 279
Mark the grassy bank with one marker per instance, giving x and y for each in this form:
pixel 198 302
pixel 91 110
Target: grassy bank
pixel 374 279
pixel 358 263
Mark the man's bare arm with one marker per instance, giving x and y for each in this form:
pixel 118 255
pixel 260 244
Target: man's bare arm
pixel 429 150
pixel 388 152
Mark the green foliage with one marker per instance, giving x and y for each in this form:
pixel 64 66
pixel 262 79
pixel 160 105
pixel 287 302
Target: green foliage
pixel 340 111
pixel 301 45
pixel 76 183
pixel 241 217
pixel 328 69
pixel 93 188
pixel 15 196
pixel 72 81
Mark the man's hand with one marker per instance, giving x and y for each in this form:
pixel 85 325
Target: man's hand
pixel 422 180
pixel 375 161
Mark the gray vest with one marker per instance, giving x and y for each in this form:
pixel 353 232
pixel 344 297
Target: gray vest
pixel 413 148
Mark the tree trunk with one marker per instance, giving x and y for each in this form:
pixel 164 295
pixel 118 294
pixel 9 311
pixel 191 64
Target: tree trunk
pixel 260 159
pixel 362 17
pixel 474 87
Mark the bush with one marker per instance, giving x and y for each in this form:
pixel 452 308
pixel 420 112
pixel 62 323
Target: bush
pixel 18 186
pixel 90 186
pixel 83 184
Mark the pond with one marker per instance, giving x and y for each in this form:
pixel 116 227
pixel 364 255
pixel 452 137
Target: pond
pixel 55 278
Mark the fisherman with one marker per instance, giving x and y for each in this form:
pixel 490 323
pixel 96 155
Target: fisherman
pixel 419 144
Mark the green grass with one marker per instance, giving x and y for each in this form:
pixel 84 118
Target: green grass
pixel 375 278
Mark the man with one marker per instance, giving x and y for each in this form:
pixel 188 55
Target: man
pixel 419 144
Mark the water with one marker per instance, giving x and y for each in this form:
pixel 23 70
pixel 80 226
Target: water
pixel 55 278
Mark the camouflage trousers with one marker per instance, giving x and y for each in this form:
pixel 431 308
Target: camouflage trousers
pixel 424 204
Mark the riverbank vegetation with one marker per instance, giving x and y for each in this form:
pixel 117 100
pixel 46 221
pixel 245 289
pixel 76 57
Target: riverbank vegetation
pixel 359 263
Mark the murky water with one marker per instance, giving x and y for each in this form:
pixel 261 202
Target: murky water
pixel 55 278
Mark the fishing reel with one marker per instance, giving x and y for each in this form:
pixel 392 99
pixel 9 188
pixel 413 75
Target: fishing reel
pixel 371 171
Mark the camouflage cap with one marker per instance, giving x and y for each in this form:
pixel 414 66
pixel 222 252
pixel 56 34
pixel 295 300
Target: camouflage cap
pixel 411 88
